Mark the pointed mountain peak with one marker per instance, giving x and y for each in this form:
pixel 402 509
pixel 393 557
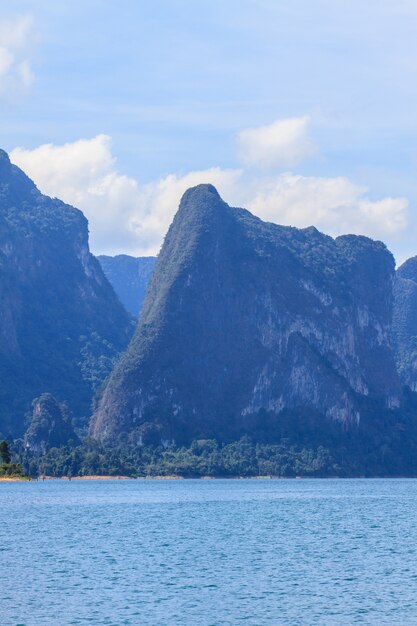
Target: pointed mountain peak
pixel 201 210
pixel 204 192
pixel 201 205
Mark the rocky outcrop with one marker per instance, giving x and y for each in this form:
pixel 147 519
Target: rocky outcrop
pixel 61 324
pixel 246 322
pixel 405 322
pixel 129 277
pixel 50 426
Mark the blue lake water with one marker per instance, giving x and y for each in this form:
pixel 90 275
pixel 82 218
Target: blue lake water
pixel 208 552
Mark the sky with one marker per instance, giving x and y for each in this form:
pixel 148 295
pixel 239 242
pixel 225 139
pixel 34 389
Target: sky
pixel 304 112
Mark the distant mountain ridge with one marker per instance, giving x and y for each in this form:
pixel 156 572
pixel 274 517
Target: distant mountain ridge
pixel 62 324
pixel 129 277
pixel 247 323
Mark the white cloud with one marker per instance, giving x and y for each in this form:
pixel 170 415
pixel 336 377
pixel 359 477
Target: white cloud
pixel 127 217
pixel 334 205
pixel 83 174
pixel 284 143
pixel 17 40
pixel 123 216
pixel 159 200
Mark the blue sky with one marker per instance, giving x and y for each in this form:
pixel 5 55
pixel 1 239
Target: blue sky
pixel 162 91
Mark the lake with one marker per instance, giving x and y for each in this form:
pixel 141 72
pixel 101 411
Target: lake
pixel 208 552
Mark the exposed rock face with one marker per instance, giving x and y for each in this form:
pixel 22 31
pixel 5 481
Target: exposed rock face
pixel 50 426
pixel 61 324
pixel 405 322
pixel 245 320
pixel 129 277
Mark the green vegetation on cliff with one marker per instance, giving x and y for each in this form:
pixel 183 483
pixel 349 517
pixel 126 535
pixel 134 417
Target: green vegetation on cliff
pixel 405 322
pixel 50 426
pixel 387 446
pixel 62 326
pixel 243 319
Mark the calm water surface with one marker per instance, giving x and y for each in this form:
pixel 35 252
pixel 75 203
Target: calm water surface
pixel 213 552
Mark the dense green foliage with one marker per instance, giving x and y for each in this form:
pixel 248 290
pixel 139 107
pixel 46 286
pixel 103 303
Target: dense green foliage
pixel 387 446
pixel 5 457
pixel 49 426
pixel 202 458
pixel 7 468
pixel 12 470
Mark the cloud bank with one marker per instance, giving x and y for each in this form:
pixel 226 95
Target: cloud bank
pixel 123 215
pixel 126 217
pixel 17 40
pixel 284 143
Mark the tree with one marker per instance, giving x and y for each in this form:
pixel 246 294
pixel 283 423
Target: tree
pixel 4 452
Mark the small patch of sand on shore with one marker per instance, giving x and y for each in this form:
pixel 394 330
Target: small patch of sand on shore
pixel 92 477
pixel 100 477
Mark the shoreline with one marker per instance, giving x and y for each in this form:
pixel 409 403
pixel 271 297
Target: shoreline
pixel 99 477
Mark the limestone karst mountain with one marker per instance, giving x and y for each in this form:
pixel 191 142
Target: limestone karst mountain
pixel 49 426
pixel 246 324
pixel 62 325
pixel 405 322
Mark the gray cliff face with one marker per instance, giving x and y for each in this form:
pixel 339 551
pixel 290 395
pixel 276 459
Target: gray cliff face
pixel 246 321
pixel 405 322
pixel 61 324
pixel 129 277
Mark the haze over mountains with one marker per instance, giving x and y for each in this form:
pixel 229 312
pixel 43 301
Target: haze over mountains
pixel 129 277
pixel 247 327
